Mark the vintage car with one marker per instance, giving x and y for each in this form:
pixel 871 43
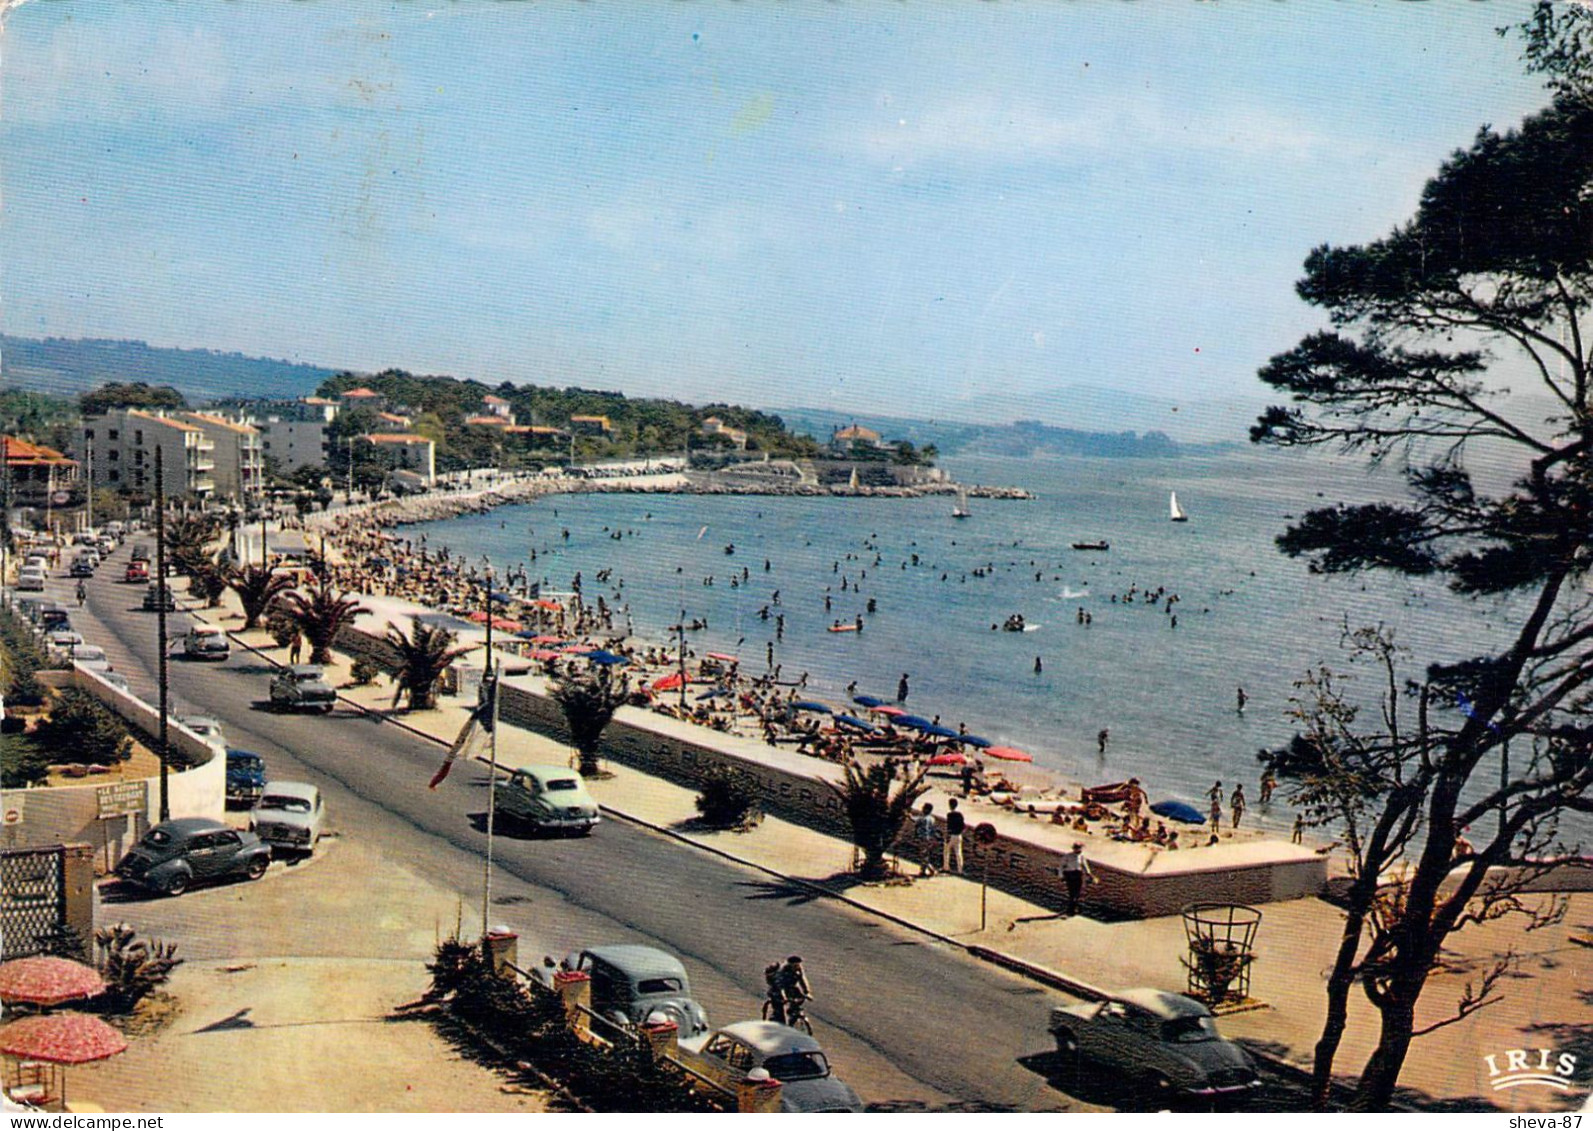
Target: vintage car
pixel 547 797
pixel 289 816
pixel 246 778
pixel 788 1055
pixel 206 728
pixel 30 580
pixel 302 687
pixel 137 571
pixel 206 642
pixel 629 983
pixel 65 638
pixel 81 567
pixel 152 597
pixel 1166 1042
pixel 176 854
pixel 91 657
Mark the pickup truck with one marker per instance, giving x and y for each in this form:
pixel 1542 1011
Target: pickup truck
pixel 547 797
pixel 302 687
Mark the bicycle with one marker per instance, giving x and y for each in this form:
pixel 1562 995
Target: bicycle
pixel 796 1014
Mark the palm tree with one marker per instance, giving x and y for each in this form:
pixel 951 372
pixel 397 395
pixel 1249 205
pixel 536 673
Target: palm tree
pixel 208 579
pixel 423 656
pixel 589 702
pixel 876 814
pixel 319 613
pixel 256 588
pixel 188 540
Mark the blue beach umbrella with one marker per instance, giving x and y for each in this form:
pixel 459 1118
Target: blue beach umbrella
pixel 916 722
pixel 602 656
pixel 1178 811
pixel 939 731
pixel 868 701
pixel 501 597
pixel 974 740
pixel 811 705
pixel 713 692
pixel 857 724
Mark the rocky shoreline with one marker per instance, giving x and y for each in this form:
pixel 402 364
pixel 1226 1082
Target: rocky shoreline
pixel 435 506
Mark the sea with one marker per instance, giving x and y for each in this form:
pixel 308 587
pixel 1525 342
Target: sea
pixel 1163 681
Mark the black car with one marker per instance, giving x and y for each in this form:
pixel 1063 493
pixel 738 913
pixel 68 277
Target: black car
pixel 152 599
pixel 176 854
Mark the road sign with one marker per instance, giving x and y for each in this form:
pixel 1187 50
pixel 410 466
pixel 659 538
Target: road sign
pixel 61 498
pixel 122 798
pixel 985 833
pixel 12 814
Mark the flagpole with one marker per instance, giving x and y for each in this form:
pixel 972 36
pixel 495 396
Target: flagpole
pixel 492 772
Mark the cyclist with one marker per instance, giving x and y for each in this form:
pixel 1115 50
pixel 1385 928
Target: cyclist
pixel 82 593
pixel 795 990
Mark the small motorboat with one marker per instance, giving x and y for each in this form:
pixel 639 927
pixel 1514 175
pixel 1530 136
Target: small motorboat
pixel 1092 545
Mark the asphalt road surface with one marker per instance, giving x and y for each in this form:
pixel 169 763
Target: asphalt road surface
pixel 912 1024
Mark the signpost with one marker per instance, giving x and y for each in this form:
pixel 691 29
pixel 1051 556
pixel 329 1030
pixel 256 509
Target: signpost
pixel 119 799
pixel 984 836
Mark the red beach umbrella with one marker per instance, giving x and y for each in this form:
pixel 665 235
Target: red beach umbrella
pixel 1007 754
pixel 668 683
pixel 891 711
pixel 44 980
pixel 547 640
pixel 478 616
pixel 729 659
pixel 540 654
pixel 61 1038
pixel 950 758
pixel 544 603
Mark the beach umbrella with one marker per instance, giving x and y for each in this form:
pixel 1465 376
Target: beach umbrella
pixel 712 692
pixel 973 740
pixel 544 603
pixel 501 597
pixel 605 657
pixel 668 683
pixel 857 723
pixel 949 758
pixel 868 700
pixel 1178 811
pixel 576 649
pixel 478 617
pixel 935 731
pixel 1008 754
pixel 504 624
pixel 46 980
pixel 61 1038
pixel 811 705
pixel 917 722
pixel 545 639
pixel 545 654
pixel 722 656
pixel 893 712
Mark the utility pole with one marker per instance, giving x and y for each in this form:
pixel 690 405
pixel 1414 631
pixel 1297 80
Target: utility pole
pixel 680 632
pixel 489 680
pixel 160 627
pixel 88 494
pixel 5 504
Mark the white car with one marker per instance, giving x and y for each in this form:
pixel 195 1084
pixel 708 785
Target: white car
pixel 30 580
pixel 788 1055
pixel 290 816
pixel 65 638
pixel 206 642
pixel 206 728
pixel 92 657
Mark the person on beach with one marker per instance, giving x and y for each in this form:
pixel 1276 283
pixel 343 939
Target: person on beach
pixel 1269 782
pixel 1073 868
pixel 1100 739
pixel 901 689
pixel 924 833
pixel 1298 834
pixel 1236 804
pixel 951 850
pixel 1241 699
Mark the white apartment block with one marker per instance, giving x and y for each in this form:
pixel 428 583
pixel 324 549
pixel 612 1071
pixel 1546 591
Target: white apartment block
pixel 240 467
pixel 117 450
pixel 411 453
pixel 292 444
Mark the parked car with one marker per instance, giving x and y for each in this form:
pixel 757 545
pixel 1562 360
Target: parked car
pixel 630 982
pixel 246 778
pixel 1166 1041
pixel 30 580
pixel 64 638
pixel 140 552
pixel 91 656
pixel 302 687
pixel 116 680
pixel 788 1055
pixel 152 597
pixel 81 567
pixel 206 728
pixel 176 854
pixel 289 816
pixel 547 797
pixel 52 617
pixel 206 642
pixel 137 571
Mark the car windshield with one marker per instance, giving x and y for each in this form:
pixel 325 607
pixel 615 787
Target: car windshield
pixel 290 804
pixel 659 986
pixel 559 785
pixel 797 1066
pixel 1187 1030
pixel 307 677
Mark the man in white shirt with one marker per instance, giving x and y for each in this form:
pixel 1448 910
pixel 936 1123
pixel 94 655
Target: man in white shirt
pixel 1073 869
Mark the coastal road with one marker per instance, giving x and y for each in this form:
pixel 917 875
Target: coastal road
pixel 914 1025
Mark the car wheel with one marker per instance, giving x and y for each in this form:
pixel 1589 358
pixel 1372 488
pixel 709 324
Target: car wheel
pixel 176 885
pixel 257 867
pixel 327 710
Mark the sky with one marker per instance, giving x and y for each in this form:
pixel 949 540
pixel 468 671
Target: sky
pixel 948 208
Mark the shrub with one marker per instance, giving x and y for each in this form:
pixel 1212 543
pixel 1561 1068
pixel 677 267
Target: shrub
pixel 82 730
pixel 364 672
pixel 132 968
pixel 727 800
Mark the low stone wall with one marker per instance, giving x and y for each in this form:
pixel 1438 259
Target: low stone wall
pixel 68 813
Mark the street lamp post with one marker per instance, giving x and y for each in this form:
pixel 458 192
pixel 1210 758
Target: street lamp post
pixel 160 628
pixel 490 682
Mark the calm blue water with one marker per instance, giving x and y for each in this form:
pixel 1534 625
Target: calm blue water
pixel 1246 616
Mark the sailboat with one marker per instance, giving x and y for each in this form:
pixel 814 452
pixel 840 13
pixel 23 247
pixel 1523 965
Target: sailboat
pixel 1177 512
pixel 961 509
pixel 852 482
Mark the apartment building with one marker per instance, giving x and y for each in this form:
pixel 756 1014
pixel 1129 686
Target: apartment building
pixel 239 464
pixel 291 444
pixel 407 452
pixel 118 450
